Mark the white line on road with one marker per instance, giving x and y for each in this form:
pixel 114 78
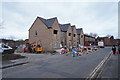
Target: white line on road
pixel 93 73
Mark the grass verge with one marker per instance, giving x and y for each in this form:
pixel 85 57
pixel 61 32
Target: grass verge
pixel 11 57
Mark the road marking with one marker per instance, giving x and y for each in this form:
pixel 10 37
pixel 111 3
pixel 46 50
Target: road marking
pixel 93 73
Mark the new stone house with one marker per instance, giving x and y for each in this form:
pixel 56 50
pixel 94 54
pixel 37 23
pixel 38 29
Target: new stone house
pixel 80 37
pixel 45 32
pixel 66 35
pixel 74 36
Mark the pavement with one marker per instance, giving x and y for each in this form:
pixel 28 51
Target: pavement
pixel 11 63
pixel 110 69
pixel 30 58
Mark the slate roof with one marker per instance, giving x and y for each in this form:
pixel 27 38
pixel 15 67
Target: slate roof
pixel 73 26
pixel 48 22
pixel 88 35
pixel 64 27
pixel 79 31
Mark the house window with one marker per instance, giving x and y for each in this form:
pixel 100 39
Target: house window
pixel 55 31
pixel 74 43
pixel 4 46
pixel 35 33
pixel 81 36
pixel 69 34
pixel 74 35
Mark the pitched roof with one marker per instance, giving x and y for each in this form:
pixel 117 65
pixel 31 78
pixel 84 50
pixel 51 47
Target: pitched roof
pixel 64 27
pixel 88 35
pixel 73 26
pixel 48 22
pixel 79 30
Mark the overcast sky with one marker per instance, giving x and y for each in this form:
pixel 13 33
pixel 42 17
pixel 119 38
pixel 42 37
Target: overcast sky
pixel 96 17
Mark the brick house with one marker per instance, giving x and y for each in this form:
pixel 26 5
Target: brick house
pixel 74 36
pixel 66 35
pixel 88 40
pixel 108 41
pixel 80 37
pixel 118 41
pixel 45 32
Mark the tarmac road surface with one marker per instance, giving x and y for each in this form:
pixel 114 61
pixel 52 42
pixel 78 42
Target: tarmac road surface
pixel 58 66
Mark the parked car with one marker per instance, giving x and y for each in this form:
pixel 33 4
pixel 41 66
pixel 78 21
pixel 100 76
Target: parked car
pixel 59 50
pixel 95 48
pixel 5 49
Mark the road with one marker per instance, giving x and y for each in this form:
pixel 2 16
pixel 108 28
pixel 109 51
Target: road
pixel 58 66
pixel 110 69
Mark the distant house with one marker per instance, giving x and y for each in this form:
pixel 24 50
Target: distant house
pixel 74 36
pixel 108 41
pixel 66 35
pixel 11 43
pixel 26 41
pixel 80 37
pixel 45 32
pixel 118 41
pixel 88 40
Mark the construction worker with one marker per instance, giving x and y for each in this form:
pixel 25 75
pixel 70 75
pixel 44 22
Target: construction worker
pixel 114 49
pixel 119 48
pixel 74 52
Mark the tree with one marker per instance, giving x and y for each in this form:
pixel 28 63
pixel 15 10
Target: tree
pixel 112 37
pixel 93 34
pixel 86 33
pixel 108 35
pixel 12 37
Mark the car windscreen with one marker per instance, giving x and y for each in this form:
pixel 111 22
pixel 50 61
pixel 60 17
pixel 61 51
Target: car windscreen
pixel 4 46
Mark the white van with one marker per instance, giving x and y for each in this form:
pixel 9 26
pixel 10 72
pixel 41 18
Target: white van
pixel 101 44
pixel 5 49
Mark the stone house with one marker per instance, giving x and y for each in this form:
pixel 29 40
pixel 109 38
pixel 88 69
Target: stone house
pixel 88 40
pixel 80 37
pixel 66 35
pixel 45 32
pixel 74 36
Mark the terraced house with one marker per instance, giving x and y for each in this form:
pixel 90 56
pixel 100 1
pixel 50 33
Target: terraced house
pixel 74 37
pixel 80 37
pixel 51 35
pixel 45 32
pixel 66 35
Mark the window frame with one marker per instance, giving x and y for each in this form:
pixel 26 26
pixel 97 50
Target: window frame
pixel 36 33
pixel 55 32
pixel 74 35
pixel 69 34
